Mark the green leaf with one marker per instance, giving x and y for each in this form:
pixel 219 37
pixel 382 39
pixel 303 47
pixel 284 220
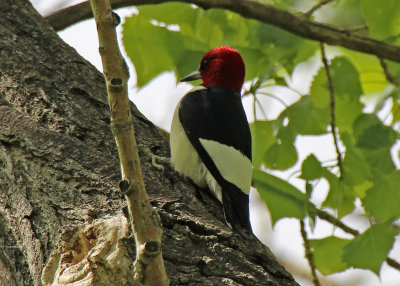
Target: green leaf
pixel 318 120
pixel 345 79
pixel 382 18
pixel 328 254
pixel 371 133
pixel 347 91
pixel 375 141
pixel 256 61
pixel 361 189
pixel 343 13
pixel 342 191
pixel 396 110
pixel 301 118
pixel 394 68
pixel 309 189
pixel 175 36
pixel 380 162
pixel 311 168
pixel 320 91
pixel 372 77
pixel 390 91
pixel 156 49
pixel 262 139
pixel 282 199
pixel 341 196
pixel 280 156
pixel 281 46
pixel 355 166
pixel 293 119
pixel 370 249
pixel 383 199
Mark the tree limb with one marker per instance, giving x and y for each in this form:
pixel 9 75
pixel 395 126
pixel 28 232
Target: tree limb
pixel 145 222
pixel 296 24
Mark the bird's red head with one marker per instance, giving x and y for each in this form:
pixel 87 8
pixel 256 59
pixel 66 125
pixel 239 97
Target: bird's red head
pixel 223 67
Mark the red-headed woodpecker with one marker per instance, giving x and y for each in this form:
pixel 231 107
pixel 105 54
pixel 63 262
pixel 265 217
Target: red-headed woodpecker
pixel 210 137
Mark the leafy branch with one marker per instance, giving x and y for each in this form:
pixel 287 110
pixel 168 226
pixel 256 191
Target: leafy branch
pixel 296 24
pixel 338 223
pixel 145 222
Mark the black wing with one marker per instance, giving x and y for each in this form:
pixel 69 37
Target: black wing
pixel 217 114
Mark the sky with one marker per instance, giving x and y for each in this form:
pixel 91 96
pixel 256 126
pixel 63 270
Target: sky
pixel 157 102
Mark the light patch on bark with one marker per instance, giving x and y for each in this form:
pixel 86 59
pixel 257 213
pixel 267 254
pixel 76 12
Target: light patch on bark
pixel 91 255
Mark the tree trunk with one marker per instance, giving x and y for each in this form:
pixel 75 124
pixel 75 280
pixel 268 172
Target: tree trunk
pixel 59 171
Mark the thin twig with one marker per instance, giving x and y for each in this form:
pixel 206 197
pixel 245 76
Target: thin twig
pixel 332 101
pixel 261 108
pixel 309 254
pixel 284 86
pixel 336 222
pixel 254 105
pixel 295 172
pixel 274 97
pixel 296 24
pixel 393 263
pixel 389 77
pixel 357 28
pixel 316 7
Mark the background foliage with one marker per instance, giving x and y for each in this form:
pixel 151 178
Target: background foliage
pixel 361 109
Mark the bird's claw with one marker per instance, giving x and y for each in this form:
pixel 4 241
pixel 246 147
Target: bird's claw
pixel 155 160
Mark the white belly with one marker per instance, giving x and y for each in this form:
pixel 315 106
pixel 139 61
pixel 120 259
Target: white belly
pixel 188 163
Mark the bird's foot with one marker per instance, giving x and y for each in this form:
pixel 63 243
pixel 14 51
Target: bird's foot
pixel 155 160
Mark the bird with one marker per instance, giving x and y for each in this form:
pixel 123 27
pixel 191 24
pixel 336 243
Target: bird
pixel 210 138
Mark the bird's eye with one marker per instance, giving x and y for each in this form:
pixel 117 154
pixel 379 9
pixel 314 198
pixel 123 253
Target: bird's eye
pixel 204 64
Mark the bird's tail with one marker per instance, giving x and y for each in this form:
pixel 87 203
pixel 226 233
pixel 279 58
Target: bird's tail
pixel 236 207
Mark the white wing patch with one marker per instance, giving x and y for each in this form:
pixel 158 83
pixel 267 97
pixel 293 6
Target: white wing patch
pixel 231 163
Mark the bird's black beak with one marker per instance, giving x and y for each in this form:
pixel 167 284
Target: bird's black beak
pixel 192 76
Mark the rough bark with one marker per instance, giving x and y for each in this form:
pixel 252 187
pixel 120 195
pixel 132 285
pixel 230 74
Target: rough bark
pixel 59 169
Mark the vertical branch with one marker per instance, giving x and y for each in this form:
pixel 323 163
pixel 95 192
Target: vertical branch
pixel 146 224
pixel 333 118
pixel 309 254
